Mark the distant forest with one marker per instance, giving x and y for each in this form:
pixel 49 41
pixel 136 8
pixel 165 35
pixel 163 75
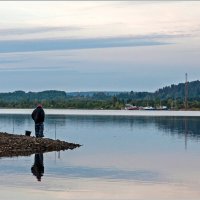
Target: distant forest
pixel 170 96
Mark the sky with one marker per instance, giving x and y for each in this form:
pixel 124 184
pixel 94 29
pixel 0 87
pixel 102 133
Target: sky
pixel 98 45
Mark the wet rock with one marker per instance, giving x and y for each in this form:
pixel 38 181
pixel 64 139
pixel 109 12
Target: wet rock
pixel 21 145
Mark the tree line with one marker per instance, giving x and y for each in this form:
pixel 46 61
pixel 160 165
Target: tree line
pixel 170 96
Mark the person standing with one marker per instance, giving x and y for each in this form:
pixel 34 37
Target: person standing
pixel 38 115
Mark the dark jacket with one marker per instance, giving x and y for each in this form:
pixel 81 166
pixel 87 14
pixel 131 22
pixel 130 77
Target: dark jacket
pixel 38 115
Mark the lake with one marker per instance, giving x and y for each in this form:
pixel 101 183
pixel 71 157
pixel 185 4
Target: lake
pixel 125 156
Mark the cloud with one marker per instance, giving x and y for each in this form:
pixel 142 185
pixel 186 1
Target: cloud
pixel 69 44
pixel 36 30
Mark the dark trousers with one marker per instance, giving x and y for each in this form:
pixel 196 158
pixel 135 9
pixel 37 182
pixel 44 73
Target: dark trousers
pixel 39 128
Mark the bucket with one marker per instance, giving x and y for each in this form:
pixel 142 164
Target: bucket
pixel 27 133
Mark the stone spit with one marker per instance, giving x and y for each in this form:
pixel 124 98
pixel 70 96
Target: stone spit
pixel 21 145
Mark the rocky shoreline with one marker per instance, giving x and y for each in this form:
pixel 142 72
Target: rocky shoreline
pixel 21 145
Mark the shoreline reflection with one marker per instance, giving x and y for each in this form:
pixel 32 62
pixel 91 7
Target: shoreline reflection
pixel 173 125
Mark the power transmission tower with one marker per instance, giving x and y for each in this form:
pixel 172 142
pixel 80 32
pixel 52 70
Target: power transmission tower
pixel 186 91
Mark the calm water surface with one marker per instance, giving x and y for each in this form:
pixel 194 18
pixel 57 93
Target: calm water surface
pixel 122 157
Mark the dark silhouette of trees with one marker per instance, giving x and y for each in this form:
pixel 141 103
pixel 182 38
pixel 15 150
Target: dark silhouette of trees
pixel 170 96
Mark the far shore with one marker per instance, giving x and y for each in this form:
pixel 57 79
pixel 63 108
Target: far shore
pixel 104 112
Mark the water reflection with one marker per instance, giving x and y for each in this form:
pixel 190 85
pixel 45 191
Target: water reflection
pixel 170 125
pixel 180 126
pixel 126 156
pixel 110 174
pixel 38 167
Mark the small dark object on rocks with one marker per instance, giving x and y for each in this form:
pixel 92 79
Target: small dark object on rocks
pixel 22 145
pixel 27 133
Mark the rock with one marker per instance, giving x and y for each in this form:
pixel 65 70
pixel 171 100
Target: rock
pixel 21 145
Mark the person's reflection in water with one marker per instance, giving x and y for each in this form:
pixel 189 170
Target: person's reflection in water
pixel 38 166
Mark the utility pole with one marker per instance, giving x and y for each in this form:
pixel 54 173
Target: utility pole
pixel 186 91
pixel 13 125
pixel 55 130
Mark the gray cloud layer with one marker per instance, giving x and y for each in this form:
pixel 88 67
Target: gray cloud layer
pixel 35 30
pixel 68 44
